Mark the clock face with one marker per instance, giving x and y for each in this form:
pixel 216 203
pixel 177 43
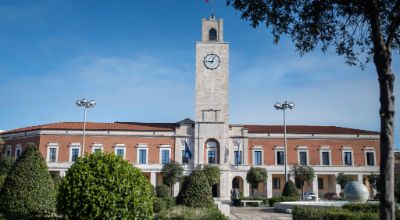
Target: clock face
pixel 212 61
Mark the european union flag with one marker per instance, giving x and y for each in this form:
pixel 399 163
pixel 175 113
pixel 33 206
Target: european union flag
pixel 188 154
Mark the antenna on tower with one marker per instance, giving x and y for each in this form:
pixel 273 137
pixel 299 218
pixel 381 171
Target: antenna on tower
pixel 212 7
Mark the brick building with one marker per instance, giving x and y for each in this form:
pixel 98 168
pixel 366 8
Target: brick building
pixel 210 138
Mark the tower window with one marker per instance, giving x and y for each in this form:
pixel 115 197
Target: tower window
pixel 212 34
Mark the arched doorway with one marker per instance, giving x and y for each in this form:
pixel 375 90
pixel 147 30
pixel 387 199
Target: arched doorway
pixel 212 152
pixel 237 182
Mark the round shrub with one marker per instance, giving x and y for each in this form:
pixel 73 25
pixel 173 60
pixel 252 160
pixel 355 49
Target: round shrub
pixel 104 186
pixel 162 191
pixel 212 173
pixel 195 191
pixel 158 205
pixel 290 190
pixel 28 189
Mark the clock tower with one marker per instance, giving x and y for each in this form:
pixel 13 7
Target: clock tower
pixel 212 102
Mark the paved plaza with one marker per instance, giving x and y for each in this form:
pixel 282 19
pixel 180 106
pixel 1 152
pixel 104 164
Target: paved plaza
pixel 255 213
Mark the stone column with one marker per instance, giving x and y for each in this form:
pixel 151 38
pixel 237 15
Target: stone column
pixel 246 191
pixel 268 186
pixel 153 178
pixel 360 178
pixel 176 189
pixel 338 188
pixel 315 187
pixel 225 185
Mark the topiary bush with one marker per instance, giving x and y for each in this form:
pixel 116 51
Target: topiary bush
pixel 361 207
pixel 290 190
pixel 162 191
pixel 195 191
pixel 104 186
pixel 28 189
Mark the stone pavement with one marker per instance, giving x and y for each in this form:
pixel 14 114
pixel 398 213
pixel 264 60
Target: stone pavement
pixel 256 213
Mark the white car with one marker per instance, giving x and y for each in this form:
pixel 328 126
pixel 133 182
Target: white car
pixel 309 196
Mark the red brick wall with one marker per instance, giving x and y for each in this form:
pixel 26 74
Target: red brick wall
pixel 108 143
pixel 22 141
pixel 313 147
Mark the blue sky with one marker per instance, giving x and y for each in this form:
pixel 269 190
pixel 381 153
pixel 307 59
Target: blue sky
pixel 136 59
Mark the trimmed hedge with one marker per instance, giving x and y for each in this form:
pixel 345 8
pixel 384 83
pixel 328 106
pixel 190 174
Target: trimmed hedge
pixel 195 191
pixel 362 207
pixel 272 200
pixel 302 213
pixel 104 186
pixel 162 191
pixel 290 190
pixel 28 190
pixel 187 213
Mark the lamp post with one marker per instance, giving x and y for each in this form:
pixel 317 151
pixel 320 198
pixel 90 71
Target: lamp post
pixel 283 107
pixel 86 105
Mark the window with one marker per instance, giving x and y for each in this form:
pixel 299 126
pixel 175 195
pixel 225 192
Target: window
pixel 97 148
pixel 18 151
pixel 185 158
pixel 211 157
pixel 348 158
pixel 238 157
pixel 212 151
pixel 370 157
pixel 276 183
pixel 74 153
pixel 8 151
pixel 280 157
pixel 165 156
pixel 212 34
pixel 142 154
pixel 52 152
pixel 320 183
pixel 119 150
pixel 257 157
pixel 303 157
pixel 325 158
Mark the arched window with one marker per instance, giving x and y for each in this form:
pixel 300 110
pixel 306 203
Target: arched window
pixel 212 149
pixel 212 34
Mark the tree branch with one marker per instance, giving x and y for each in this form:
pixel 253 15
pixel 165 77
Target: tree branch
pixel 393 26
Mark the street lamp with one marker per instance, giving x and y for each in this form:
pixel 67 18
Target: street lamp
pixel 86 105
pixel 283 107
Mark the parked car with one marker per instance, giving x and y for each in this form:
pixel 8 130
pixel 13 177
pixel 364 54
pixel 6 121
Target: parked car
pixel 309 196
pixel 330 196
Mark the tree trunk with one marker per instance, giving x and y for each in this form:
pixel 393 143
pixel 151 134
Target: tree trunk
pixel 383 62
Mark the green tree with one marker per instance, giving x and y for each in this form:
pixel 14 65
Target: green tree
pixel 104 186
pixel 356 30
pixel 255 176
pixel 342 180
pixel 172 173
pixel 290 190
pixel 303 174
pixel 28 189
pixel 212 173
pixel 194 193
pixel 5 166
pixel 374 181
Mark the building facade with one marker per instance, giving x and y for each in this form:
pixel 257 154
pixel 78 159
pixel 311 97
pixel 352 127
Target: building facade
pixel 211 139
